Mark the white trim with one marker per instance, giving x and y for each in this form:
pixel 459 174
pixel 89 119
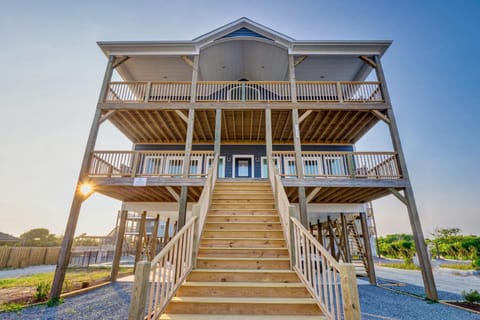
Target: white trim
pixel 157 167
pixel 264 174
pixel 221 173
pixel 235 156
pixel 180 160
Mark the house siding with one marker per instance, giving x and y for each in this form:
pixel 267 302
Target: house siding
pixel 230 150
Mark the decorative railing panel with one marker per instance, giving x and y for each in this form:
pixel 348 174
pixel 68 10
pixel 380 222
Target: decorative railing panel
pixel 244 91
pixel 147 163
pixel 126 92
pixel 378 165
pixel 170 91
pixel 310 91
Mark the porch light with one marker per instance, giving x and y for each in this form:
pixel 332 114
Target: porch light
pixel 86 189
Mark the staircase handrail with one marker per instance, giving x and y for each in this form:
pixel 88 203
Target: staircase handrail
pixel 200 209
pixel 332 284
pixel 169 269
pixel 282 204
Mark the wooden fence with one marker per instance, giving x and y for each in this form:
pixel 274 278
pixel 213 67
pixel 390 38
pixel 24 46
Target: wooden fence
pixel 20 257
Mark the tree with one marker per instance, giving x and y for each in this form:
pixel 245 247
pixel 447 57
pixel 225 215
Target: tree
pixel 444 236
pixel 40 237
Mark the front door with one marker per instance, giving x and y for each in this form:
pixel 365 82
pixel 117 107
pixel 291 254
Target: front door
pixel 243 167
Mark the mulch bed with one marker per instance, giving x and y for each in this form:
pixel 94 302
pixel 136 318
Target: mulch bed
pixel 465 304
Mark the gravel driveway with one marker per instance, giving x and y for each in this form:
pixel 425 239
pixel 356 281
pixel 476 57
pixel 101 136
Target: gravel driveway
pixel 376 303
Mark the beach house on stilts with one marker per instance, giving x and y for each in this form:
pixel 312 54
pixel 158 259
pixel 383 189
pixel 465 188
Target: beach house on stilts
pixel 248 138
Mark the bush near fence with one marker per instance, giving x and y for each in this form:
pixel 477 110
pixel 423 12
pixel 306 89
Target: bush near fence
pixel 20 257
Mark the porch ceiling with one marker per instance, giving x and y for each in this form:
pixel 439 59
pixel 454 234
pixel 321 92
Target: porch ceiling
pixel 340 195
pixel 147 194
pixel 243 126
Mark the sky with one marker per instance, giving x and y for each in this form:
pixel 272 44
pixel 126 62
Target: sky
pixel 51 71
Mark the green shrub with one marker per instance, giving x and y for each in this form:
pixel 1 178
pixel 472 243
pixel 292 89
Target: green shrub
pixel 41 291
pixel 54 302
pixel 471 296
pixel 476 263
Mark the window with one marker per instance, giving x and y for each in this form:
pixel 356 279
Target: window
pixel 152 165
pixel 174 165
pixel 335 166
pixel 290 167
pixel 221 166
pixel 310 167
pixel 276 162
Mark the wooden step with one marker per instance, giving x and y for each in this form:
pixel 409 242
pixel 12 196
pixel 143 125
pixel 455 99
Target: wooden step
pixel 241 275
pixel 243 263
pixel 243 226
pixel 243 218
pixel 242 212
pixel 207 233
pixel 249 188
pixel 236 206
pixel 243 305
pixel 242 243
pixel 166 316
pixel 243 195
pixel 243 252
pixel 243 289
pixel 242 201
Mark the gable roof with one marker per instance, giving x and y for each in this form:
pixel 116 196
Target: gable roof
pixel 255 29
pixel 4 237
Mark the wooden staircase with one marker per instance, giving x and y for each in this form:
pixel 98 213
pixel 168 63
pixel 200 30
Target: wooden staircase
pixel 360 263
pixel 243 266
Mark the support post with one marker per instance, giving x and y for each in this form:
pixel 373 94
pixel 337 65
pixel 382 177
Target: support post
pixel 297 143
pixel 153 245
pixel 351 301
pixel 141 234
pixel 166 235
pixel 218 132
pixel 119 244
pixel 65 250
pixel 423 257
pixel 292 213
pixel 348 255
pixel 268 133
pixel 368 249
pixel 139 292
pixel 331 237
pixel 182 204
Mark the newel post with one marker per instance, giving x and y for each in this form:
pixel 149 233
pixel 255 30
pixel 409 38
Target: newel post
pixel 139 293
pixel 351 301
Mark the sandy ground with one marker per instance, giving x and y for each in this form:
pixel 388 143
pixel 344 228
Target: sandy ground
pixel 447 280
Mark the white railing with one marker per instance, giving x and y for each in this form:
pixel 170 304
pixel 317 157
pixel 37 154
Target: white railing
pixel 126 92
pixel 169 269
pixel 200 210
pixel 147 163
pixel 361 91
pixel 244 91
pixel 282 203
pixel 333 285
pixel 319 91
pixel 318 164
pixel 170 91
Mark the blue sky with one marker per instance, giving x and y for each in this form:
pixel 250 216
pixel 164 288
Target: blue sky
pixel 51 71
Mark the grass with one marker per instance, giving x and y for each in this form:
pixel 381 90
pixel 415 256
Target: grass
pixel 457 266
pixel 73 276
pixel 11 307
pixel 403 265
